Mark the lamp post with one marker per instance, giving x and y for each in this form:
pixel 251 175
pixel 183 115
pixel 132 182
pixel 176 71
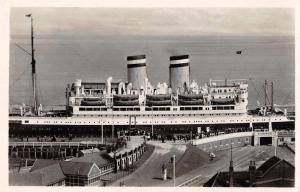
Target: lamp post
pixel 173 160
pixel 152 122
pixel 276 143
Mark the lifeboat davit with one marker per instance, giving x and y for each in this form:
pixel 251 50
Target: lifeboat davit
pixel 158 103
pixel 223 101
pixel 159 97
pixel 125 97
pixel 126 103
pixel 190 102
pixel 190 96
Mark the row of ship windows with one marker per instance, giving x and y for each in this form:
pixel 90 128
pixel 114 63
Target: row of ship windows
pixel 156 108
pixel 221 90
pixel 157 121
pixel 223 108
pixel 167 115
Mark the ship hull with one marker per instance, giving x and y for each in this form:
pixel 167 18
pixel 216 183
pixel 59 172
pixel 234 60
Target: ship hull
pixel 17 129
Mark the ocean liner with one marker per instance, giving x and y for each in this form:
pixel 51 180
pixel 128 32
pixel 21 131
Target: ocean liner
pixel 181 106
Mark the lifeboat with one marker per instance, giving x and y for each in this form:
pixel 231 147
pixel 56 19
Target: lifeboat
pixel 125 97
pixel 92 99
pixel 126 103
pixel 92 102
pixel 223 101
pixel 190 96
pixel 158 103
pixel 190 102
pixel 158 97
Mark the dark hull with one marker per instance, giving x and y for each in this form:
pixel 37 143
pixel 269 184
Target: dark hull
pixel 16 129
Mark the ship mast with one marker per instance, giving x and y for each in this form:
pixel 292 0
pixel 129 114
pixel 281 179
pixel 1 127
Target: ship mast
pixel 269 100
pixel 33 68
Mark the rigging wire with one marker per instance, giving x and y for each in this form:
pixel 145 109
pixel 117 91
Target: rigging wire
pixel 39 93
pixel 23 49
pixel 18 78
pixel 257 91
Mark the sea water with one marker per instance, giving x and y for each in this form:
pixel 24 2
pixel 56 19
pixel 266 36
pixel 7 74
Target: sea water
pixel 59 61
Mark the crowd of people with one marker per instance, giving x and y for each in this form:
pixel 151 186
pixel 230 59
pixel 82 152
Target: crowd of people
pixel 146 135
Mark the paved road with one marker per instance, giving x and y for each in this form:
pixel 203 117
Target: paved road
pixel 149 174
pixel 241 159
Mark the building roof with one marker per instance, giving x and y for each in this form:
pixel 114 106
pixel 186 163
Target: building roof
pixel 51 174
pixel 65 167
pixel 92 158
pixel 25 179
pixel 39 177
pixel 88 151
pixel 241 178
pixel 41 163
pixel 76 168
pixel 221 179
pixel 267 165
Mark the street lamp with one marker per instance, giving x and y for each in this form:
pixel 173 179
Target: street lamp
pixel 152 122
pixel 173 160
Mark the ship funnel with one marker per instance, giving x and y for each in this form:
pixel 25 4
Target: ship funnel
pixel 179 73
pixel 136 71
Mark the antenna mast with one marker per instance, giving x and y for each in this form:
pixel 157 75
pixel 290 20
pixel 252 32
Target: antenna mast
pixel 272 96
pixel 33 68
pixel 266 91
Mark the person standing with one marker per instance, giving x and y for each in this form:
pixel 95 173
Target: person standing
pixel 164 172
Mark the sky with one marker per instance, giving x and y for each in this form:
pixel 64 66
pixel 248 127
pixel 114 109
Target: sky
pixel 92 44
pixel 119 22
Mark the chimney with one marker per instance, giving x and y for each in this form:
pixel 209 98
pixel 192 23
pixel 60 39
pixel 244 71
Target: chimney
pixel 252 170
pixel 231 173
